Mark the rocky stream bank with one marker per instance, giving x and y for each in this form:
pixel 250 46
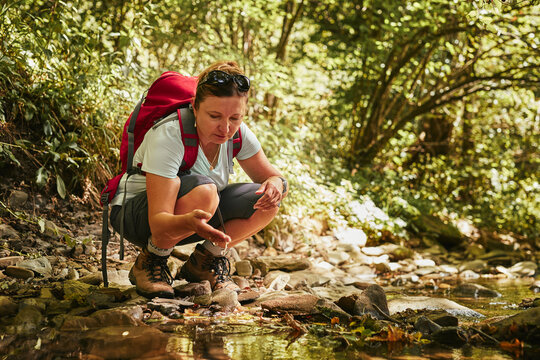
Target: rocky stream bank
pixel 350 292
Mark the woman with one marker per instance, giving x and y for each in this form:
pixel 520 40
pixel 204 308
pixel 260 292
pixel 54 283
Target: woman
pixel 165 209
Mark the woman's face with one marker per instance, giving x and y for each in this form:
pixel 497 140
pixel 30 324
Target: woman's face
pixel 218 118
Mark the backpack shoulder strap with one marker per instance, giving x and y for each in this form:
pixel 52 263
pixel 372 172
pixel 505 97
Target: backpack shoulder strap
pixel 234 146
pixel 189 138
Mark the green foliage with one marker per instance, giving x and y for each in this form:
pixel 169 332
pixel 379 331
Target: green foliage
pixel 348 99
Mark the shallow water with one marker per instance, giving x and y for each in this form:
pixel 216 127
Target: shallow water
pixel 252 341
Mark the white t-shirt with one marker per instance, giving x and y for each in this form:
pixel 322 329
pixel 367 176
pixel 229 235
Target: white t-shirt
pixel 162 151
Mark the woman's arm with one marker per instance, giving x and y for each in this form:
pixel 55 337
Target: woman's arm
pixel 168 228
pixel 259 169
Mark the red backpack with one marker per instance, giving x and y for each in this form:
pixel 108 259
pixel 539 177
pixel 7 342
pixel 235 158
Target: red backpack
pixel 169 93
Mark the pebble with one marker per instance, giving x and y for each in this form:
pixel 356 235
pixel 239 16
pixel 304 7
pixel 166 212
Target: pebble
pixel 19 272
pixel 10 261
pixel 469 274
pixel 244 268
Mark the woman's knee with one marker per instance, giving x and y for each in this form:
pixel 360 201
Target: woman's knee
pixel 204 197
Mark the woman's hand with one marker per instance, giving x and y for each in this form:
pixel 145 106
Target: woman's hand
pixel 273 194
pixel 198 220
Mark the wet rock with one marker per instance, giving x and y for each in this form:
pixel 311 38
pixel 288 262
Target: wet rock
pixel 244 268
pixel 366 302
pixel 19 272
pixel 293 304
pixel 28 321
pixel 7 232
pixel 110 317
pixel 282 262
pixel 40 265
pixel 169 307
pixel 426 326
pixel 524 268
pixel 452 336
pixel 58 307
pixel 469 274
pixel 445 320
pixel 524 326
pixel 8 306
pixel 535 287
pixel 226 298
pixel 126 342
pixel 448 269
pixel 193 289
pixel 423 271
pixel 330 310
pixel 474 291
pixel 17 199
pixel 427 303
pixel 10 261
pixel 351 236
pixel 382 267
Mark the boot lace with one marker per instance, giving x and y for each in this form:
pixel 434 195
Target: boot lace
pixel 221 267
pixel 157 269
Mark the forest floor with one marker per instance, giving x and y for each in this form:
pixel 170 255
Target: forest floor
pixel 339 295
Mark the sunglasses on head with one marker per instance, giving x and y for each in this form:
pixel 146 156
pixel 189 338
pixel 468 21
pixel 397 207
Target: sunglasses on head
pixel 220 78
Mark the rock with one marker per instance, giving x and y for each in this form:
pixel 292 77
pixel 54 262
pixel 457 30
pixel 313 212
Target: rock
pixel 445 320
pixel 19 272
pixel 241 282
pixel 77 250
pixel 426 326
pixel 28 320
pixel 366 302
pixel 244 268
pixel 333 291
pixel 524 326
pixel 330 310
pixel 110 317
pixel 373 251
pixel 424 263
pixel 92 279
pixel 282 262
pixel 315 277
pixel 90 250
pixel 226 298
pixel 17 199
pixel 351 236
pixel 423 302
pixel 8 306
pixel 72 274
pixel 524 268
pixel 448 269
pixel 169 307
pixel 279 283
pixel 294 304
pixel 452 336
pixel 77 291
pixel 400 253
pixel 40 265
pixel 469 274
pixel 118 277
pixel 338 257
pixel 535 287
pixel 248 295
pixel 10 261
pixel 447 234
pixel 474 291
pixel 193 289
pixel 7 232
pixel 125 342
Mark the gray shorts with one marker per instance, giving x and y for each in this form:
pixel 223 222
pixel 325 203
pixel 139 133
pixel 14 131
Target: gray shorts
pixel 236 202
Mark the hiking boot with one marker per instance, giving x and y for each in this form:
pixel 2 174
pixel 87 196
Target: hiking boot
pixel 203 265
pixel 151 275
